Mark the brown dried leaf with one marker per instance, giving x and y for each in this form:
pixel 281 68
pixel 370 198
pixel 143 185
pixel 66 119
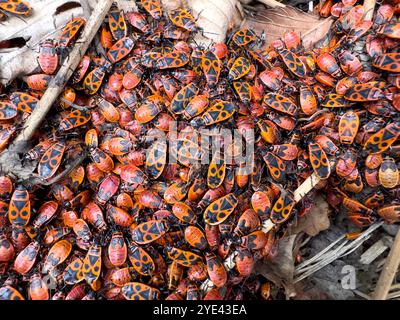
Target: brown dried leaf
pixel 274 22
pixel 316 221
pixel 280 270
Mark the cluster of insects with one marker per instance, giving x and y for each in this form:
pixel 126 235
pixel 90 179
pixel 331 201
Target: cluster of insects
pixel 110 217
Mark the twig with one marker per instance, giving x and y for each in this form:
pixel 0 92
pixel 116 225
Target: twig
pixel 346 247
pixel 376 250
pixel 394 292
pixel 306 187
pixel 393 295
pixel 395 287
pixel 361 294
pixel 389 270
pixel 369 6
pixel 319 254
pixel 63 75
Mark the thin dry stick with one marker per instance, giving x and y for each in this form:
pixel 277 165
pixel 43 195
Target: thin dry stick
pixel 361 294
pixel 389 271
pixel 394 292
pixel 395 287
pixel 369 6
pixel 319 254
pixel 310 269
pixel 63 75
pixel 345 248
pixel 393 296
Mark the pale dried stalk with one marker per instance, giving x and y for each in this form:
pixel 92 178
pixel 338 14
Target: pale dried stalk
pixel 327 256
pixel 395 287
pixel 393 296
pixel 361 294
pixel 320 254
pixel 389 271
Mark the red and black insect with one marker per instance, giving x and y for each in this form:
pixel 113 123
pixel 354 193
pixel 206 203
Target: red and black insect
pixel 48 58
pixel 94 78
pixel 282 208
pixel 70 31
pixel 51 160
pixel 153 7
pixel 139 291
pixel 116 23
pixel 211 66
pixel 183 18
pixel 319 161
pixel 7 110
pixel 23 101
pixel 141 261
pixel 120 49
pixel 291 60
pixel 19 211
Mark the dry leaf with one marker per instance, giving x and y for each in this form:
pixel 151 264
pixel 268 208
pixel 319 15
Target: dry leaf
pixel 44 23
pixel 280 270
pixel 316 220
pixel 213 17
pixel 274 22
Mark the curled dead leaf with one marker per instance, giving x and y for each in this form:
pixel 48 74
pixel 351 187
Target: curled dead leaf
pixel 280 270
pixel 213 17
pixel 316 220
pixel 274 22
